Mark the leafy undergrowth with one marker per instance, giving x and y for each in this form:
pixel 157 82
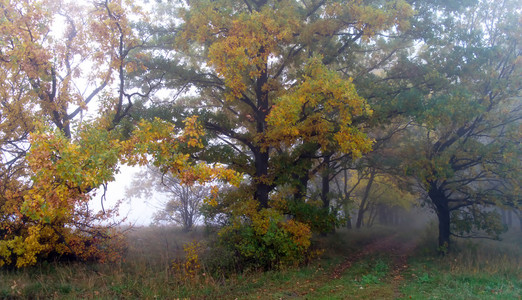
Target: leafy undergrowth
pixel 377 264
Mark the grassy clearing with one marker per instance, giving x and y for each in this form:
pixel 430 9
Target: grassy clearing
pixel 475 270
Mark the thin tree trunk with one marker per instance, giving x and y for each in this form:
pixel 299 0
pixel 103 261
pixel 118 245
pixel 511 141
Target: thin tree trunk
pixel 325 190
pixel 518 213
pixel 346 199
pixel 349 221
pixel 371 218
pixel 364 201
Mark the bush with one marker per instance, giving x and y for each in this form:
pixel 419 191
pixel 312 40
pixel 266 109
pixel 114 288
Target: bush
pixel 220 261
pixel 265 238
pixel 190 266
pixel 318 218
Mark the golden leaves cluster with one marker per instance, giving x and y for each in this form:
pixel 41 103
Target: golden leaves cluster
pixel 320 109
pixel 190 266
pixel 61 171
pixel 161 143
pixel 44 46
pixel 240 45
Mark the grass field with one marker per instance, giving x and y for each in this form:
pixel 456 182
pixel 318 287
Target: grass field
pixel 365 264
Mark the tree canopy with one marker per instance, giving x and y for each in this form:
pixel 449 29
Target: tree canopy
pixel 266 95
pixel 465 145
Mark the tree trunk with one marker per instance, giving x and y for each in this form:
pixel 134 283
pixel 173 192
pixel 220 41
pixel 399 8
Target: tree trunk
pixel 325 190
pixel 444 230
pixel 303 179
pixel 349 221
pixel 262 187
pixel 443 213
pixel 360 216
pixel 364 201
pixel 261 156
pixel 518 213
pixel 371 218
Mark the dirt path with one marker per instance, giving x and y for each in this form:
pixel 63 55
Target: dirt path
pixel 400 263
pixel 391 245
pixel 399 250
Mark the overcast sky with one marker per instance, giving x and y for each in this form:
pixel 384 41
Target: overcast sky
pixel 138 211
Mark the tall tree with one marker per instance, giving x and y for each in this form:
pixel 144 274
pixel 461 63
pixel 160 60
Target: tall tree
pixel 51 157
pixel 269 93
pixel 464 146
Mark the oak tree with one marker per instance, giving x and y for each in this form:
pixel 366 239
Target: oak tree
pixel 464 146
pixel 269 94
pixel 56 59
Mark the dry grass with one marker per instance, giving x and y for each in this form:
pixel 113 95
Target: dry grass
pixel 476 269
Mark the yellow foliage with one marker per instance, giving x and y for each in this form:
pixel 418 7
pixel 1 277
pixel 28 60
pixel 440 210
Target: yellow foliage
pixel 320 109
pixel 240 45
pixel 301 233
pixel 53 162
pixel 190 266
pixel 159 142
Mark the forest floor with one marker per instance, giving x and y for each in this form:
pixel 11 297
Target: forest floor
pixel 376 271
pixel 364 264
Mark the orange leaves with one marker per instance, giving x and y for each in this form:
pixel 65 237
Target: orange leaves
pixel 192 132
pixel 53 208
pixel 301 233
pixel 22 32
pixel 64 170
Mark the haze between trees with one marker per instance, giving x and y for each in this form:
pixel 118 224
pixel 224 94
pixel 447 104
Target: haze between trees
pixel 287 93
